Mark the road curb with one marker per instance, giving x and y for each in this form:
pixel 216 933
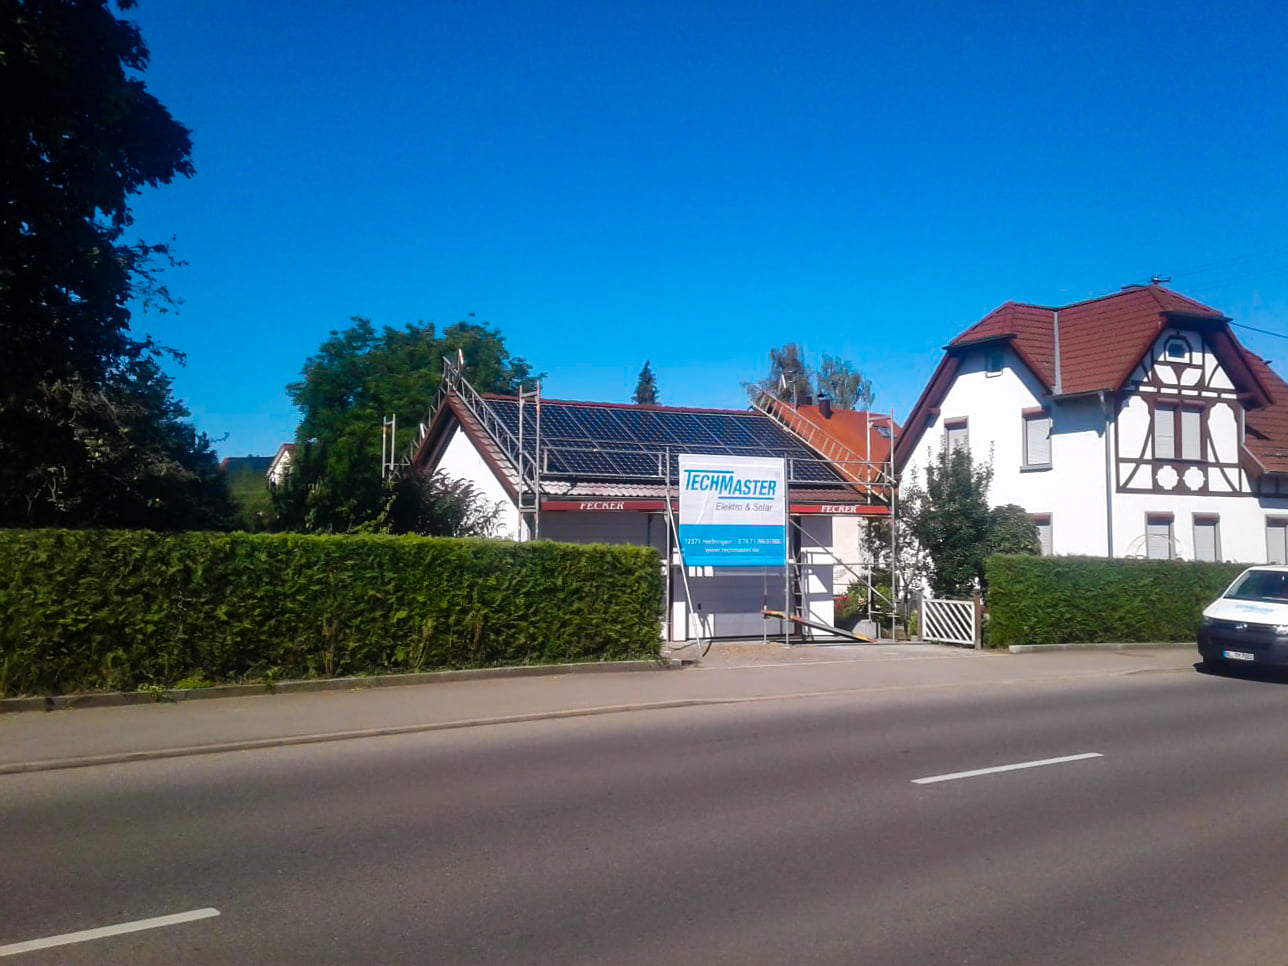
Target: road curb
pixel 252 744
pixel 188 751
pixel 118 699
pixel 1043 648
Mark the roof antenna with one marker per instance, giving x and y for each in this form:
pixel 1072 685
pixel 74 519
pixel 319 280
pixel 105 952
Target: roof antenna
pixel 1159 279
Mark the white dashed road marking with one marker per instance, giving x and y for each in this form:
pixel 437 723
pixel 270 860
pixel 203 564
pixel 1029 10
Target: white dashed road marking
pixel 103 932
pixel 1001 768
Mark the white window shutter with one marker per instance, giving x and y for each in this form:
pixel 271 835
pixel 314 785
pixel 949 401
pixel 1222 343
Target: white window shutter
pixel 1158 540
pixel 1276 543
pixel 1190 420
pixel 1044 536
pixel 956 438
pixel 1165 433
pixel 1037 440
pixel 1205 540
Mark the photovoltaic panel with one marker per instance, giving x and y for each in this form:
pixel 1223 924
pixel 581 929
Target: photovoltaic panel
pixel 607 442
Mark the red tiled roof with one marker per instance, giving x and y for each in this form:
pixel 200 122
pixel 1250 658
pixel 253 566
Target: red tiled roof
pixel 1101 339
pixel 1267 427
pixel 855 430
pixel 1101 342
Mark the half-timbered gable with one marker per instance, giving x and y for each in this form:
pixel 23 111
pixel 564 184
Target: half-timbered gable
pixel 1179 419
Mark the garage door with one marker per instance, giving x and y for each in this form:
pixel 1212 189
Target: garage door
pixel 731 600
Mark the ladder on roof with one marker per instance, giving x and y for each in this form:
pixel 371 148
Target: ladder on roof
pixel 874 476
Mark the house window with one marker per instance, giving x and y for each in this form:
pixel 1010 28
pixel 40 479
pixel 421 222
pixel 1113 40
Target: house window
pixel 1178 349
pixel 1207 537
pixel 993 362
pixel 1158 536
pixel 955 436
pixel 1191 420
pixel 1037 439
pixel 1164 432
pixel 1277 541
pixel 1178 432
pixel 1042 522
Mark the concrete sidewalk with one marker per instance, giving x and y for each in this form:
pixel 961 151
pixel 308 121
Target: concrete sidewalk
pixel 728 674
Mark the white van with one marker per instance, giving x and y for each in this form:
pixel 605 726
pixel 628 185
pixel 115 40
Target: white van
pixel 1248 624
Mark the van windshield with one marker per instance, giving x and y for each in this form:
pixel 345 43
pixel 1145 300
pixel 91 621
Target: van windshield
pixel 1267 585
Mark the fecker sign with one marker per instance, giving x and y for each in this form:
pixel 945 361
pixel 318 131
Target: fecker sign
pixel 733 511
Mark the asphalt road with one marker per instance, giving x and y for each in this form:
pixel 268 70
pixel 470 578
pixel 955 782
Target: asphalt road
pixel 775 832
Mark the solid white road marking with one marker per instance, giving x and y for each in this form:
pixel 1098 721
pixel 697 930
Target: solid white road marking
pixel 13 949
pixel 1001 768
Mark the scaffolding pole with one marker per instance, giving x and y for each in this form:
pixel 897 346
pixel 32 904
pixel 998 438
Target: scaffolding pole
pixel 670 561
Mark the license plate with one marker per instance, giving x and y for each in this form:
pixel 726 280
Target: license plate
pixel 1237 655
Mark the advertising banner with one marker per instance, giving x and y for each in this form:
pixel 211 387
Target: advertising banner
pixel 733 511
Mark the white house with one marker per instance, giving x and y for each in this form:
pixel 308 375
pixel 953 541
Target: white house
pixel 1129 425
pixel 587 472
pixel 280 467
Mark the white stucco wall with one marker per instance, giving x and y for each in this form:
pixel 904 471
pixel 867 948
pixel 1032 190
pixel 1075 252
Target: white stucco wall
pixel 1072 491
pixel 461 460
pixel 1242 523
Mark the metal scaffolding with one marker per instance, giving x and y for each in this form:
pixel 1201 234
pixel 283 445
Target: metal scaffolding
pixel 541 460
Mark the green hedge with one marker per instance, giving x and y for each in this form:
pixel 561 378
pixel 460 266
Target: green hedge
pixel 82 610
pixel 1056 600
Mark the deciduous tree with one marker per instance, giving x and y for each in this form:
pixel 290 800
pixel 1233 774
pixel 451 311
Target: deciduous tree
pixel 358 377
pixel 90 433
pixel 844 385
pixel 951 521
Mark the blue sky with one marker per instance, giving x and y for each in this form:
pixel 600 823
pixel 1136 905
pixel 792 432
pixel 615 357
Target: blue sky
pixel 695 182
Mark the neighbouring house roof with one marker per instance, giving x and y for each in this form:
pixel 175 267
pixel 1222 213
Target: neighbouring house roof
pixel 856 441
pixel 1100 343
pixel 1267 427
pixel 240 465
pixel 618 450
pixel 868 436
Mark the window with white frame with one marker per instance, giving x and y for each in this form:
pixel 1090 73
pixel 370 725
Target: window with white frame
pixel 1042 522
pixel 955 436
pixel 1037 439
pixel 1277 541
pixel 1207 536
pixel 1158 536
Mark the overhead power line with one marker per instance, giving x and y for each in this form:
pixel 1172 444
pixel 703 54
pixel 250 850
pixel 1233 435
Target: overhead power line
pixel 1253 328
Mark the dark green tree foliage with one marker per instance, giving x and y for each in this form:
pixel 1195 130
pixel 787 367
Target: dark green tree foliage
pixel 950 520
pixel 788 378
pixel 114 609
pixel 436 505
pixel 792 379
pixel 1011 530
pixel 844 385
pixel 357 378
pixel 90 433
pixel 646 387
pixel 1058 600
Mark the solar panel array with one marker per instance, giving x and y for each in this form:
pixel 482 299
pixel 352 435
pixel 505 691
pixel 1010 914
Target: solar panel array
pixel 615 443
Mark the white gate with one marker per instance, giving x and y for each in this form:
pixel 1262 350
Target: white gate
pixel 949 621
